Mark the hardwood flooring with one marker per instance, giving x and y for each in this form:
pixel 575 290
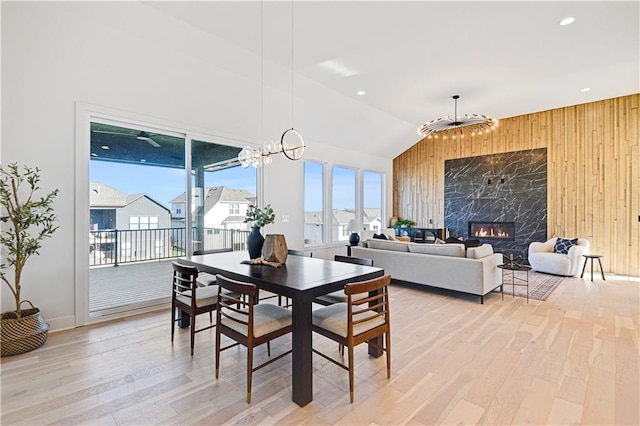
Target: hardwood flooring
pixel 572 359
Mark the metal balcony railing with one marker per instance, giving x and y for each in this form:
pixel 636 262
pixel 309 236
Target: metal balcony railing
pixel 113 246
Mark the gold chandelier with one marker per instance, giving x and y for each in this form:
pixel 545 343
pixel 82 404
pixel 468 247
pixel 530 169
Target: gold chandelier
pixel 474 124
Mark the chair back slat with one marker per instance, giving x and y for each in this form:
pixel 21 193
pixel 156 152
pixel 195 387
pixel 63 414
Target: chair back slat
pixel 299 253
pixel 367 309
pixel 184 278
pixel 354 260
pixel 238 310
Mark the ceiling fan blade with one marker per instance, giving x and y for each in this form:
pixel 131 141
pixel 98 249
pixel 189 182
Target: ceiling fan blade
pixel 153 143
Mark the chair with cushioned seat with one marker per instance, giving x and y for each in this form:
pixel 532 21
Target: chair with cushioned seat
pixel 190 298
pixel 559 256
pixel 249 325
pixel 339 295
pixel 364 317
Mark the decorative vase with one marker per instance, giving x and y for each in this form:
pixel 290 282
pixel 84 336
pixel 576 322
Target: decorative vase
pixel 275 248
pixel 22 334
pixel 255 240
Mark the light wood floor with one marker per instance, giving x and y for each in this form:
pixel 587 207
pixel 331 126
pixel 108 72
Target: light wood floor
pixel 573 359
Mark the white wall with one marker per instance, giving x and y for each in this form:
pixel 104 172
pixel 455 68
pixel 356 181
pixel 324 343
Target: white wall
pixel 129 58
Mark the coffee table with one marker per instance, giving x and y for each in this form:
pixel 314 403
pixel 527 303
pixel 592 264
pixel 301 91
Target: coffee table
pixel 515 280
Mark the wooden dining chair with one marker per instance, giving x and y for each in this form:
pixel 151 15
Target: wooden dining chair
pixel 287 302
pixel 250 324
pixel 187 296
pixel 339 296
pixel 358 321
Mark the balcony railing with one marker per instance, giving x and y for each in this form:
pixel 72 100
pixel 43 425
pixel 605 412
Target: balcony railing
pixel 113 246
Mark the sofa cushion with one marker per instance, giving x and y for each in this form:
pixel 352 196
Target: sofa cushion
pixel 366 235
pixel 453 250
pixel 480 252
pixel 563 245
pixel 387 245
pixel 379 236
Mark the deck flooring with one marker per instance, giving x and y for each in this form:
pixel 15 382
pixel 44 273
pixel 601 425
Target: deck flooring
pixel 129 284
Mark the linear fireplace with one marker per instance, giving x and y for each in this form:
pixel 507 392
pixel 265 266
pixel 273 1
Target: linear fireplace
pixel 493 230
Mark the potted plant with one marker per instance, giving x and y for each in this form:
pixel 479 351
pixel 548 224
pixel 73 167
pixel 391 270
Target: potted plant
pixel 26 221
pixel 403 223
pixel 258 218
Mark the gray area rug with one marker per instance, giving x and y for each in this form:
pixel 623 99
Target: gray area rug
pixel 540 285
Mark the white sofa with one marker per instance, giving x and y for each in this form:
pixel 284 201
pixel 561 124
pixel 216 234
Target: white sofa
pixel 446 266
pixel 543 259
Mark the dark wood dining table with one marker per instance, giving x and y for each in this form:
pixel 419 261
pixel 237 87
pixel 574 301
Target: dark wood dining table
pixel 301 279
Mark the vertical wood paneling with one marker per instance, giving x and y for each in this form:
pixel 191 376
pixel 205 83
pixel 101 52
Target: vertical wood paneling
pixel 593 173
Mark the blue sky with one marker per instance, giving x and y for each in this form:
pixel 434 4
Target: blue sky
pixel 164 184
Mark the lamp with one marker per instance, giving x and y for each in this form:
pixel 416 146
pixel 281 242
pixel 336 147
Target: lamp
pixel 473 123
pixel 293 149
pixel 354 226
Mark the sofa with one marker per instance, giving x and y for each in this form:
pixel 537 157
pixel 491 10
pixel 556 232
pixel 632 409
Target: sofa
pixel 544 258
pixel 450 266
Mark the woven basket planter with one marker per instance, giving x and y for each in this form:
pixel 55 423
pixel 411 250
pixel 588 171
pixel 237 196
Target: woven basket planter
pixel 20 335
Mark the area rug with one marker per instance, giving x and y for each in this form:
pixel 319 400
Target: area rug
pixel 540 285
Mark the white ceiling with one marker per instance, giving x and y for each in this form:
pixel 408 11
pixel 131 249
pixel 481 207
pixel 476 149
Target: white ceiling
pixel 503 58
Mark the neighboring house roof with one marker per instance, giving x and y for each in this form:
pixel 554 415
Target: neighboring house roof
pixel 102 195
pixel 370 215
pixel 342 217
pixel 313 218
pixel 221 194
pixel 233 219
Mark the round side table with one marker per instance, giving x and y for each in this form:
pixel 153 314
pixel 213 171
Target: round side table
pixel 592 257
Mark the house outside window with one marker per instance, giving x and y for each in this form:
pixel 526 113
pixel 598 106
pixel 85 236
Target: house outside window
pixel 234 208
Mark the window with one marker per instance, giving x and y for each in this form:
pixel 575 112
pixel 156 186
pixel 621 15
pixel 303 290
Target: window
pixel 343 195
pixel 234 208
pixel 354 194
pixel 313 203
pixel 178 211
pixel 143 222
pixel 372 201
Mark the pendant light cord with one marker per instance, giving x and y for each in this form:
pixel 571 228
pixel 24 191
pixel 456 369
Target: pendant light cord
pixel 261 72
pixel 292 63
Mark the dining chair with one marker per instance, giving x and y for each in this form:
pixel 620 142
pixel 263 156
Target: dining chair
pixel 250 324
pixel 287 302
pixel 339 295
pixel 357 321
pixel 187 296
pixel 205 278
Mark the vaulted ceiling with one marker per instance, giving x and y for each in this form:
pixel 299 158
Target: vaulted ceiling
pixel 503 58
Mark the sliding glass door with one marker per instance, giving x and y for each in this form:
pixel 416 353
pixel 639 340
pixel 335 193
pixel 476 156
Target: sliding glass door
pixel 145 211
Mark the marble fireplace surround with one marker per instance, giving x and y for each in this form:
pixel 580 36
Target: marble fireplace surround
pixel 505 187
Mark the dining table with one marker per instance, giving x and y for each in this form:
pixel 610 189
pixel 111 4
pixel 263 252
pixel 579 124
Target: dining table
pixel 301 279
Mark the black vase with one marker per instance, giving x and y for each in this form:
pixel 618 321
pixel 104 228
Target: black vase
pixel 255 240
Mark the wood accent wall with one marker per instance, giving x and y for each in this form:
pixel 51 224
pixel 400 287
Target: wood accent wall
pixel 593 172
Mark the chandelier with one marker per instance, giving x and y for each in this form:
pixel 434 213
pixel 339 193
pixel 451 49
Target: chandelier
pixel 472 123
pixel 291 142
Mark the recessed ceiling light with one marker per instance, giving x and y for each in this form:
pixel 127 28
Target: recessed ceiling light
pixel 585 89
pixel 105 147
pixel 361 92
pixel 93 154
pixel 567 21
pixel 142 160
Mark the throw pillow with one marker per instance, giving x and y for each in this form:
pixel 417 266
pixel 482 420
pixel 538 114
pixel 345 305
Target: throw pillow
pixel 563 245
pixel 472 243
pixel 380 236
